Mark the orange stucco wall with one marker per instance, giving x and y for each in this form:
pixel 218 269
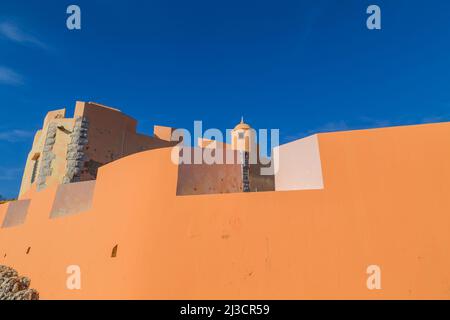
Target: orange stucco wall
pixel 385 202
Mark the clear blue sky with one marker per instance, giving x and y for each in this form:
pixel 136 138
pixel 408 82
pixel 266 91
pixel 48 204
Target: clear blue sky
pixel 300 66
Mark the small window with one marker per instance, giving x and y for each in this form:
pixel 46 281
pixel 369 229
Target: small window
pixel 114 252
pixel 241 135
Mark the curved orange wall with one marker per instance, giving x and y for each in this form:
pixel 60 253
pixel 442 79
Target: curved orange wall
pixel 385 202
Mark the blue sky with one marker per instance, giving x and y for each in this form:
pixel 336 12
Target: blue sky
pixel 300 66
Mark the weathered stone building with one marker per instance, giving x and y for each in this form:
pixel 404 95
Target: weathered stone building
pixel 69 150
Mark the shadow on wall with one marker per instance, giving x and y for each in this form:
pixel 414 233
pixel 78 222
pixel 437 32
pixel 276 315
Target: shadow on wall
pixel 217 178
pixel 196 179
pixel 70 199
pixel 16 213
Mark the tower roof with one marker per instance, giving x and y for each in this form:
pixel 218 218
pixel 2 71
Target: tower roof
pixel 242 125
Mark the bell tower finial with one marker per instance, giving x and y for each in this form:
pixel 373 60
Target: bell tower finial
pixel 242 119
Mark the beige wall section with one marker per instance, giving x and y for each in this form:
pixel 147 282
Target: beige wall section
pixel 258 181
pixel 29 164
pixel 226 177
pixel 63 138
pixel 111 136
pixel 298 165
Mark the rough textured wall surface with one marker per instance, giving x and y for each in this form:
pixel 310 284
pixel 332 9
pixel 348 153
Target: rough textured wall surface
pixel 15 287
pixel 258 181
pixel 209 179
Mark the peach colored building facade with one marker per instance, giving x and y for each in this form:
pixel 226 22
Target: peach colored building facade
pixel 70 150
pixel 379 197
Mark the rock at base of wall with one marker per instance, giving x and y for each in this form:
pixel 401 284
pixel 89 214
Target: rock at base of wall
pixel 15 287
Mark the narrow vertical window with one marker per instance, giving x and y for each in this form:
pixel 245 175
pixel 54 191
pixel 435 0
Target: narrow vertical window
pixel 35 168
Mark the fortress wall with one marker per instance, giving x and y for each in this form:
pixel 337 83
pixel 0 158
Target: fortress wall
pixel 53 158
pixel 107 136
pixel 29 193
pixel 73 198
pixel 259 180
pixel 138 142
pixel 111 136
pixel 198 179
pixel 3 209
pixel 209 179
pixel 206 179
pixel 69 150
pixel 16 213
pixel 385 202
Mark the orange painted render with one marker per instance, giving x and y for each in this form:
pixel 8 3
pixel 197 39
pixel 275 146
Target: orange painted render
pixel 385 201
